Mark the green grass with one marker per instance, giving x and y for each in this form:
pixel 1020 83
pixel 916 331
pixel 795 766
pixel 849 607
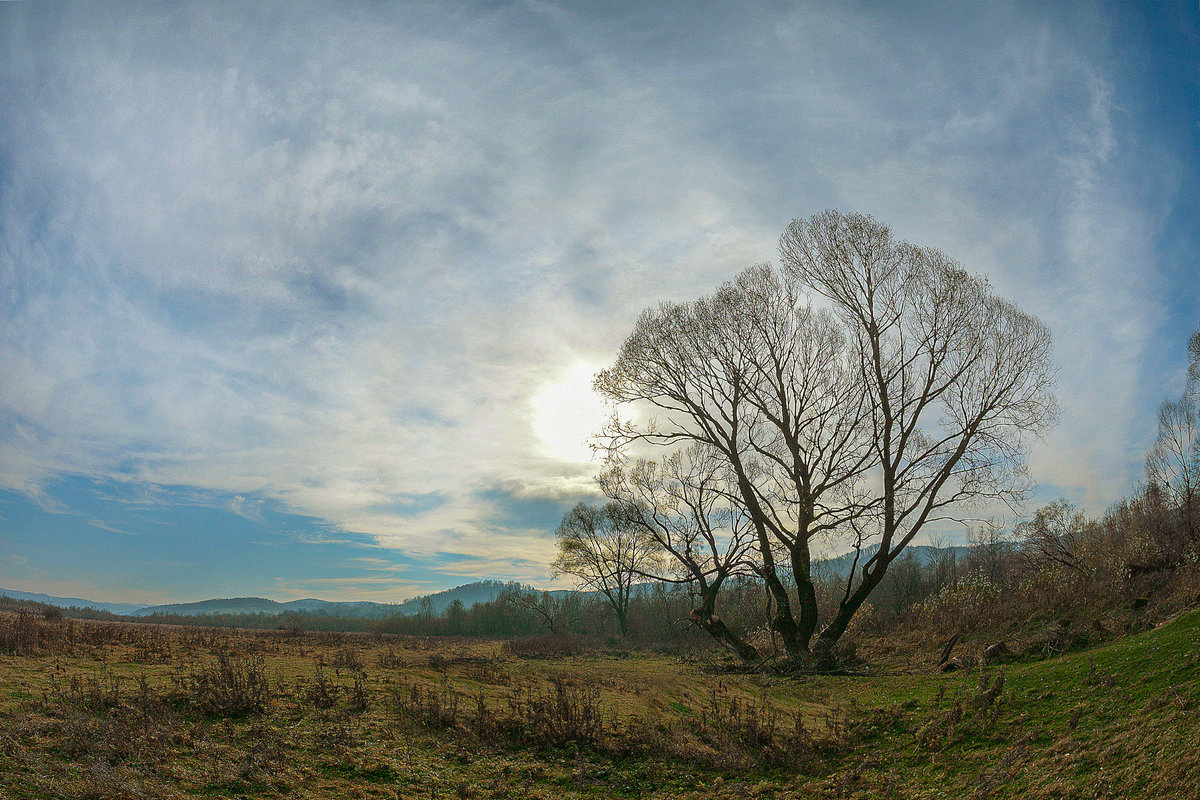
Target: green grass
pixel 1119 720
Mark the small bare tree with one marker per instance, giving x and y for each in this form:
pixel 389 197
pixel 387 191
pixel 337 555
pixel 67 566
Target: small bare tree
pixel 1173 464
pixel 682 505
pixel 1194 363
pixel 1053 535
pixel 600 548
pixel 555 612
pixel 991 549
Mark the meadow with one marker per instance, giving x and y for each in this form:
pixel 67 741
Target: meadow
pixel 94 709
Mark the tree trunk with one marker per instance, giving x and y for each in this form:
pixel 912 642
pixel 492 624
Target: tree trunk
pixel 622 620
pixel 806 593
pixel 745 651
pixel 783 623
pixel 705 617
pixel 823 649
pixel 1189 514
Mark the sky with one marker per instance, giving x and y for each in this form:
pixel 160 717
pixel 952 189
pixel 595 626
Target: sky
pixel 304 299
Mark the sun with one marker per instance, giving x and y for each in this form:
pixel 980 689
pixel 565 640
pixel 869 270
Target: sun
pixel 567 412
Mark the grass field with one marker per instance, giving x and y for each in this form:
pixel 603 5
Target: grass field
pixel 115 710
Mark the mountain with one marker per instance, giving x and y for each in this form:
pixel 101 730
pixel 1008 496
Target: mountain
pixel 234 605
pixel 924 554
pixel 78 602
pixel 468 594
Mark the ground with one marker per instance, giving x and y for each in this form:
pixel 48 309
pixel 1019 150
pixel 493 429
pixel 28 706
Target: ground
pixel 118 710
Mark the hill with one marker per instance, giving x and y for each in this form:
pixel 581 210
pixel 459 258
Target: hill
pixel 77 602
pixel 924 554
pixel 467 594
pixel 1117 720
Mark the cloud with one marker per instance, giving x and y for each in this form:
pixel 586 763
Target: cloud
pixel 281 271
pixel 1006 144
pixel 327 257
pixel 104 526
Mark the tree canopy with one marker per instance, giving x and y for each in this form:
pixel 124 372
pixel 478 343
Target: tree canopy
pixel 863 389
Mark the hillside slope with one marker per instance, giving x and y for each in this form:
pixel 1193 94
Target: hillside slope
pixel 1118 720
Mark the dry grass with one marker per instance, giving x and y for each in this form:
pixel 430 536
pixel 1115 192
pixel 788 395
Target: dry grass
pixel 124 710
pixel 114 710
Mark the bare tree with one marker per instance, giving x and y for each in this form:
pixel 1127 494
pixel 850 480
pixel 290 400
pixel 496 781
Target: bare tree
pixel 990 549
pixel 1053 535
pixel 1193 387
pixel 916 394
pixel 756 377
pixel 682 505
pixel 556 612
pixel 956 378
pixel 598 546
pixel 1173 464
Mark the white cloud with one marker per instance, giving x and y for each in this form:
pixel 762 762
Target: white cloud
pixel 329 257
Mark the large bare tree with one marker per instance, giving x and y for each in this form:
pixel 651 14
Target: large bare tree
pixel 957 380
pixel 758 378
pixel 915 394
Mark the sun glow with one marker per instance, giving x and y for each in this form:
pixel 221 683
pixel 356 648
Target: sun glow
pixel 567 412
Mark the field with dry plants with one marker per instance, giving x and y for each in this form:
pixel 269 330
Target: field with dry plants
pixel 119 710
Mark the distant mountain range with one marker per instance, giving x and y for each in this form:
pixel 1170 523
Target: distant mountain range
pixel 468 594
pixel 924 554
pixel 78 602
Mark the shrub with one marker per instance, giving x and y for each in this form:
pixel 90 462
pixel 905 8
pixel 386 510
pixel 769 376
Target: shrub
pixel 550 645
pixel 21 634
pixel 556 715
pixel 347 658
pixel 390 660
pixel 228 686
pixel 963 604
pixel 322 692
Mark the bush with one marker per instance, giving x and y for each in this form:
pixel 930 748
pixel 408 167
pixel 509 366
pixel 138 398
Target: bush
pixel 226 687
pixel 21 634
pixel 962 605
pixel 551 645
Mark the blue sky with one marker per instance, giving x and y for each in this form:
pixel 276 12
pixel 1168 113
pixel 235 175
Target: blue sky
pixel 300 299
